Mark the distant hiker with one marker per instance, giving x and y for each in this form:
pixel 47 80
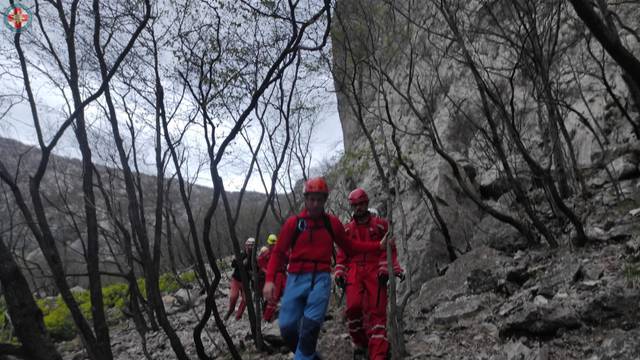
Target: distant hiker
pixel 262 268
pixel 309 237
pixel 364 279
pixel 279 281
pixel 236 283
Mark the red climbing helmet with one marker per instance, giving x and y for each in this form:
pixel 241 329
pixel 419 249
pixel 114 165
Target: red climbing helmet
pixel 358 196
pixel 316 185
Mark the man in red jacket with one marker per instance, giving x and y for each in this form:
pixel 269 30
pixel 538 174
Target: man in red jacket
pixel 309 237
pixel 364 278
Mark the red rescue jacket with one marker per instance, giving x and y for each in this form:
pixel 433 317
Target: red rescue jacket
pixel 263 261
pixel 372 230
pixel 313 247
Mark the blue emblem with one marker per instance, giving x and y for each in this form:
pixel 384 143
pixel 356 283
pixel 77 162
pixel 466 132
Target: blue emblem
pixel 301 225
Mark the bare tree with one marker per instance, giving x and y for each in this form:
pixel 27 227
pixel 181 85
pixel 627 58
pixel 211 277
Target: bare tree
pixel 604 23
pixel 96 340
pixel 25 315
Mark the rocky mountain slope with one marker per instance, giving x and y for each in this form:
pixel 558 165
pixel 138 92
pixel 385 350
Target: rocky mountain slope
pixel 62 189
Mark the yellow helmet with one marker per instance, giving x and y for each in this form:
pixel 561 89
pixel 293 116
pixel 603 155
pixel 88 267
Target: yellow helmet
pixel 271 240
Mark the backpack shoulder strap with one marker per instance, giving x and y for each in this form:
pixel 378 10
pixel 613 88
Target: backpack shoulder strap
pixel 327 224
pixel 300 225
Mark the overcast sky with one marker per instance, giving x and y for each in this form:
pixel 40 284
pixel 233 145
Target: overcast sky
pixel 18 124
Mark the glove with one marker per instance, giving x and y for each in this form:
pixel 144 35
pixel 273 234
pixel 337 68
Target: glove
pixel 341 282
pixel 400 275
pixel 383 278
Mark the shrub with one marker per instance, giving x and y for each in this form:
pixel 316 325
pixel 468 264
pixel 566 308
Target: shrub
pixel 57 319
pixel 168 283
pixel 188 277
pixel 83 298
pixel 142 285
pixel 115 295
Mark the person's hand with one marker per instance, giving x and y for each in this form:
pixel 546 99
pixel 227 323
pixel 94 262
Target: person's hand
pixel 268 291
pixel 341 282
pixel 383 278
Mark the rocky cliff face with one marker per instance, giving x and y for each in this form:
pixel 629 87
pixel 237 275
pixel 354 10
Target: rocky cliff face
pixel 378 51
pixel 400 74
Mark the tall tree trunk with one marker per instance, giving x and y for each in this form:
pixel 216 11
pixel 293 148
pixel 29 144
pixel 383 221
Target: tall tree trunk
pixel 25 315
pixel 605 31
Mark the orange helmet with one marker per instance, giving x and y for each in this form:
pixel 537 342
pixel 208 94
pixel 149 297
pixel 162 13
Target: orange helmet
pixel 358 196
pixel 316 185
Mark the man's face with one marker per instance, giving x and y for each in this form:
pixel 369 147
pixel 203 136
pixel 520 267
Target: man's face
pixel 314 202
pixel 360 209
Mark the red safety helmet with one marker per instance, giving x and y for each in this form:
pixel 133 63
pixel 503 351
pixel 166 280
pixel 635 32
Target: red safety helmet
pixel 316 185
pixel 358 196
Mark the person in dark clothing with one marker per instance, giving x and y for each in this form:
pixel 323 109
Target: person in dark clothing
pixel 236 289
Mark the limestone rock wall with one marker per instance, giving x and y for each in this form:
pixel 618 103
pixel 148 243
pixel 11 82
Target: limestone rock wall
pixel 369 35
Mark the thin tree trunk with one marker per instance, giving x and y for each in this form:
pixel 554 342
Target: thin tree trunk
pixel 25 315
pixel 605 31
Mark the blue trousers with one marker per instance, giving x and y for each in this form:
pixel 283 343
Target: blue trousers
pixel 302 311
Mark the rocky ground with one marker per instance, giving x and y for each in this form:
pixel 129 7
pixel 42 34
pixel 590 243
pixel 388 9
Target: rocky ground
pixel 497 301
pixel 564 303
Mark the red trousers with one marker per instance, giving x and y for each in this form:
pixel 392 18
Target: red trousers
pixel 235 291
pixel 279 281
pixel 366 311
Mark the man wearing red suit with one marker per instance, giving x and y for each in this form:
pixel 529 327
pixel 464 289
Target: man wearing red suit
pixel 364 277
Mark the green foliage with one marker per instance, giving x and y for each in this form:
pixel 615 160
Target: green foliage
pixel 115 295
pixel 5 331
pixel 168 283
pixel 142 285
pixel 57 319
pixel 83 298
pixel 188 277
